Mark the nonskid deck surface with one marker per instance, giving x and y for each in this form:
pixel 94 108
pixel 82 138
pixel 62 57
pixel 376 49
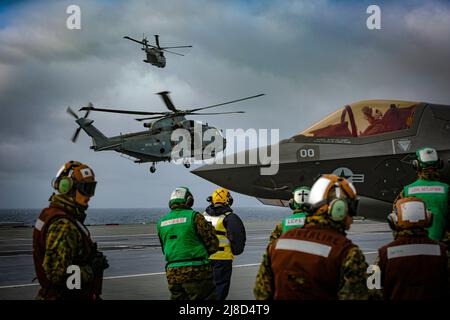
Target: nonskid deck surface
pixel 137 265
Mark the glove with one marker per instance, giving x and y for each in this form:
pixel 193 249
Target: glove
pixel 99 263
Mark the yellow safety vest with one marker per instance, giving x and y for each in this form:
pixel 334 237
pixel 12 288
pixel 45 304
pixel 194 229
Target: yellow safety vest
pixel 224 252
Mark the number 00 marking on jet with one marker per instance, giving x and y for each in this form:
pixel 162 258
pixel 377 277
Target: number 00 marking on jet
pixel 308 152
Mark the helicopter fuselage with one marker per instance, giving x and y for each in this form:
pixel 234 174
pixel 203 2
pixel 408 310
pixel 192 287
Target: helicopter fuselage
pixel 155 57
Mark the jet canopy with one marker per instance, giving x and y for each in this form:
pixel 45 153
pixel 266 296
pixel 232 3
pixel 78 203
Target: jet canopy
pixel 365 118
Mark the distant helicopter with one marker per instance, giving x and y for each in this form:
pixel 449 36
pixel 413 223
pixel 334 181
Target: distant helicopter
pixel 155 144
pixel 155 54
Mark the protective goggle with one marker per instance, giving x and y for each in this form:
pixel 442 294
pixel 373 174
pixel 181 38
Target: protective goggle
pixel 86 188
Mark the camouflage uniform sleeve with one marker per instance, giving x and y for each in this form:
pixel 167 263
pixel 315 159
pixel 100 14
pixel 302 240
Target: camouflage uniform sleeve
pixel 353 282
pixel 264 286
pixel 276 233
pixel 62 246
pixel 207 233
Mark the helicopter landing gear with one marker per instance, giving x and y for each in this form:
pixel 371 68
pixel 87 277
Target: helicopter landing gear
pixel 153 168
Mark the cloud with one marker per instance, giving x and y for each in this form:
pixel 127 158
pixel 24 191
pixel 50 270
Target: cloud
pixel 308 57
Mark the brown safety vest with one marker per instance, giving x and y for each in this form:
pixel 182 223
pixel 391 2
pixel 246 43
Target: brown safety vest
pixel 413 268
pixel 306 263
pixel 45 219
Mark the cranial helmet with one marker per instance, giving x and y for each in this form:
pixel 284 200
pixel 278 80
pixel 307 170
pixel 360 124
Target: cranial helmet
pixel 181 196
pixel 299 197
pixel 222 196
pixel 76 180
pixel 75 176
pixel 427 158
pixel 334 195
pixel 409 213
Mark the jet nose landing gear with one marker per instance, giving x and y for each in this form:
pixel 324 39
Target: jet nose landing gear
pixel 153 168
pixel 187 164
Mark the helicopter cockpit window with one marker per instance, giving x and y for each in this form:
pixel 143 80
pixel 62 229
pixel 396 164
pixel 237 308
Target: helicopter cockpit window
pixel 365 118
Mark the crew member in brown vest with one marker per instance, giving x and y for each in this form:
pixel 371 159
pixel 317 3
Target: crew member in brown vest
pixel 412 266
pixel 62 246
pixel 317 261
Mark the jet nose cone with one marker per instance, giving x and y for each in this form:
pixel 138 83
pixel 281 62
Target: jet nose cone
pixel 236 178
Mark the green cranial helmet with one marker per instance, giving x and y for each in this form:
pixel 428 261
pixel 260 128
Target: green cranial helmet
pixel 426 158
pixel 299 197
pixel 181 196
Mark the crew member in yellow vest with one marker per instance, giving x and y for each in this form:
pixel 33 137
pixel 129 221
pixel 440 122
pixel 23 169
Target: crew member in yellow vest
pixel 231 234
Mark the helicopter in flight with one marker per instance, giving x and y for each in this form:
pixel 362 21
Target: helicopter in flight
pixel 154 144
pixel 155 54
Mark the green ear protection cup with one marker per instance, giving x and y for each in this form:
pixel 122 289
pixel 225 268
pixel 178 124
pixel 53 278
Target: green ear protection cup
pixel 338 209
pixel 291 204
pixel 65 185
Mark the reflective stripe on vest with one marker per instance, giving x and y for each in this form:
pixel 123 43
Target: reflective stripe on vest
pixel 303 246
pixel 224 252
pixel 408 250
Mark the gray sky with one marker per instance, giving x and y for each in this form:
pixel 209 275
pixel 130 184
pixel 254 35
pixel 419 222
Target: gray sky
pixel 309 57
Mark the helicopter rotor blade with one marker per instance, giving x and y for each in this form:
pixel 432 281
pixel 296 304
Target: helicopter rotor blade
pixel 176 47
pixel 172 52
pixel 167 101
pixel 157 41
pixel 212 113
pixel 140 42
pixel 142 113
pixel 224 103
pixel 89 108
pixel 76 134
pixel 149 118
pixel 72 113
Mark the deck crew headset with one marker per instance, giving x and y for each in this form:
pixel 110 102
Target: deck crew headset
pixel 334 195
pixel 427 158
pixel 299 198
pixel 76 176
pixel 181 196
pixel 409 212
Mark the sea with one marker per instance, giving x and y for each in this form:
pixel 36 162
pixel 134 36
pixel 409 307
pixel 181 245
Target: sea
pixel 27 217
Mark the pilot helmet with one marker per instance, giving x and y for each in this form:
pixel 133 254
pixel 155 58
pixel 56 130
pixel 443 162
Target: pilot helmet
pixel 334 195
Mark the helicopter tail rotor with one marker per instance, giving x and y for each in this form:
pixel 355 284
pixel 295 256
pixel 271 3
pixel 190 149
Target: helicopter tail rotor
pixel 73 114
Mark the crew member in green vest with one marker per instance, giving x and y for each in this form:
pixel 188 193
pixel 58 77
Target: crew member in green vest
pixel 427 187
pixel 297 219
pixel 187 240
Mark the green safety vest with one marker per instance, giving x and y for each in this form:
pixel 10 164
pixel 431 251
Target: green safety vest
pixel 297 220
pixel 182 247
pixel 435 195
